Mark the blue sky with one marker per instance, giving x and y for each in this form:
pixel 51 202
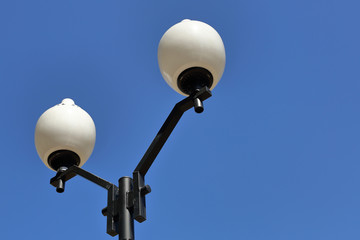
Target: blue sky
pixel 275 155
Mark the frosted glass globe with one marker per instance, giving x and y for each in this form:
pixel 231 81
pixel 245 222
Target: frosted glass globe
pixel 65 127
pixel 191 45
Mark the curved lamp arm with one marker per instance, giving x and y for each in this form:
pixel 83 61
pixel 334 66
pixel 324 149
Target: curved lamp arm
pixel 140 189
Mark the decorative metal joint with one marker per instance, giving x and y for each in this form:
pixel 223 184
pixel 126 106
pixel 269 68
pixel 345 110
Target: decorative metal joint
pixel 130 200
pixel 112 211
pixel 139 192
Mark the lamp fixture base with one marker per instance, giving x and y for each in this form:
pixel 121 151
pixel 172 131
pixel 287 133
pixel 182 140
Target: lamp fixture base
pixel 193 79
pixel 63 158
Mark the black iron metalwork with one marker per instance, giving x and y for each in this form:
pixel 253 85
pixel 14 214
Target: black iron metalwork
pixel 111 211
pixel 156 145
pixel 126 201
pixel 126 218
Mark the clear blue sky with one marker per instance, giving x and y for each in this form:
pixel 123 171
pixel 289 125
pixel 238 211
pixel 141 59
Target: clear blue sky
pixel 275 155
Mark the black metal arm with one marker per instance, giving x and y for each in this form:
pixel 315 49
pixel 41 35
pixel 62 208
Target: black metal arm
pixel 140 189
pixel 127 201
pixel 110 211
pixel 169 125
pixel 64 175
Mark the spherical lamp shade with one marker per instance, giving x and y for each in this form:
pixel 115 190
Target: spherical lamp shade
pixel 191 55
pixel 65 135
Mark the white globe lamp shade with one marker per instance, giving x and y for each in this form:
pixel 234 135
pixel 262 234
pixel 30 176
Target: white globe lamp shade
pixel 65 135
pixel 191 55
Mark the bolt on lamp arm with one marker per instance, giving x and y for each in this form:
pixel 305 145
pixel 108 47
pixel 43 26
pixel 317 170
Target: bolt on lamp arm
pixel 139 187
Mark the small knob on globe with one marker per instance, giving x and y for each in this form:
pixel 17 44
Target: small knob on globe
pixel 65 136
pixel 191 55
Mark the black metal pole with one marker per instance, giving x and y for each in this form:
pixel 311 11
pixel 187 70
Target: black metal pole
pixel 126 219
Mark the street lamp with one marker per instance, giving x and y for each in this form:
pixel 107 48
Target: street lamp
pixel 191 58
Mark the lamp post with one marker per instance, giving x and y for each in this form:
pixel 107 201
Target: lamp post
pixel 191 58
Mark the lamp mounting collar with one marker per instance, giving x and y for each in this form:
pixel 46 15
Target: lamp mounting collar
pixel 63 158
pixel 193 79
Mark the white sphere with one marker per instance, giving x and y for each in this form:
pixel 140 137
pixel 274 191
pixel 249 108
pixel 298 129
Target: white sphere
pixel 190 44
pixel 65 127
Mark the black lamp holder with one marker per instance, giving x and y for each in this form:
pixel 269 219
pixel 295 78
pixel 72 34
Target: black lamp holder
pixel 126 201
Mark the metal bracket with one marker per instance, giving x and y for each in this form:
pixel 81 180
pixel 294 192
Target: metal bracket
pixel 110 211
pixel 139 192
